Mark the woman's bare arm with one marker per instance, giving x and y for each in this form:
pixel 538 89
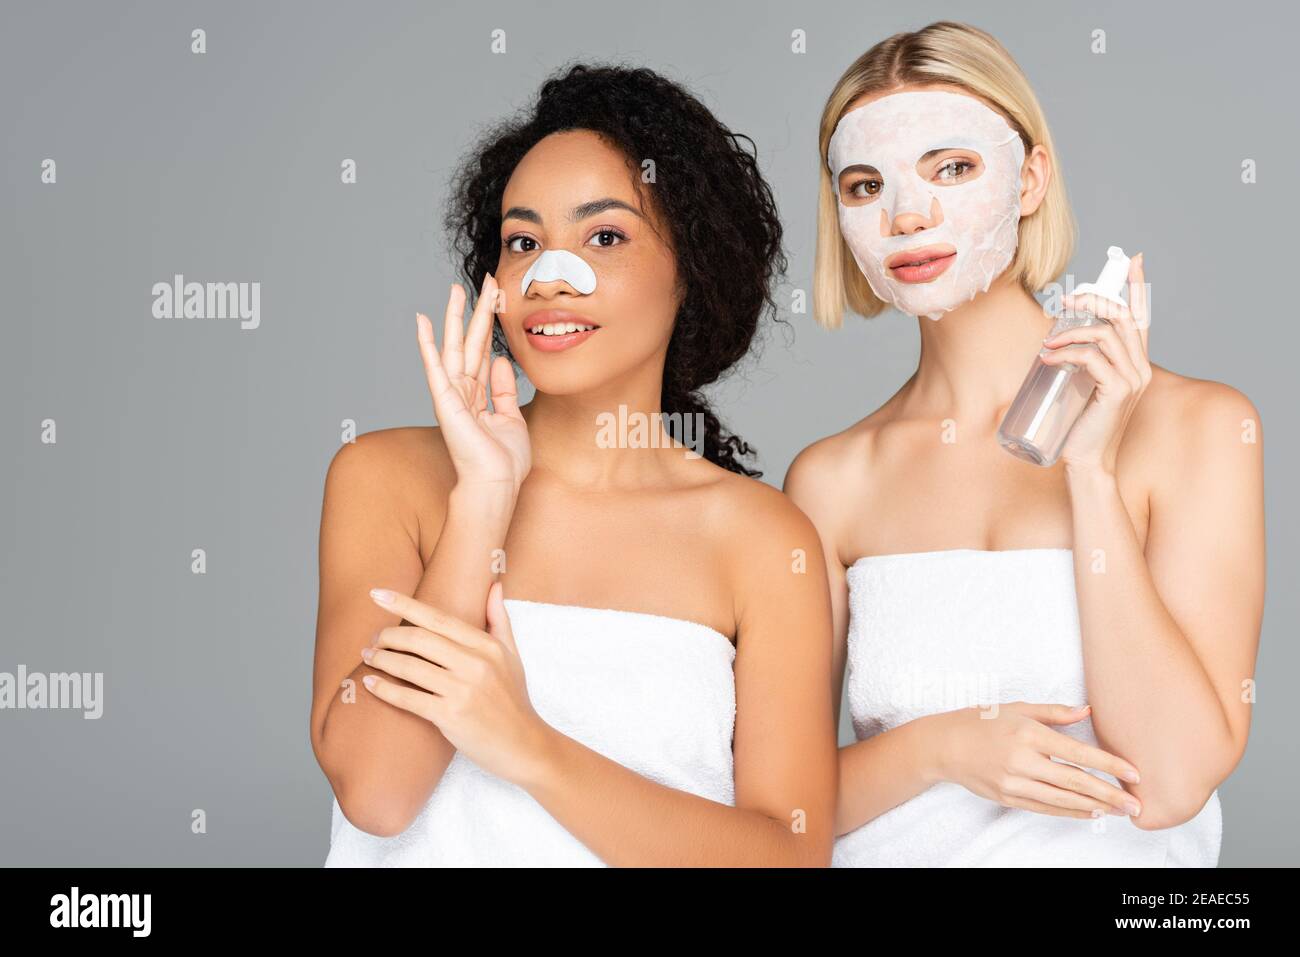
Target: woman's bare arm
pixel 1171 634
pixel 888 768
pixel 382 762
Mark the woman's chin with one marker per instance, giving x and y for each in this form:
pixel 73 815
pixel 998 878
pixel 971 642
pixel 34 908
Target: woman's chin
pixel 574 380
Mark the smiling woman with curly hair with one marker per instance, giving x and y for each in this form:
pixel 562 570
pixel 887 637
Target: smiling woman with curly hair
pixel 596 639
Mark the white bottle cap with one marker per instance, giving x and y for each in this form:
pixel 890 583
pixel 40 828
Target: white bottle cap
pixel 1113 278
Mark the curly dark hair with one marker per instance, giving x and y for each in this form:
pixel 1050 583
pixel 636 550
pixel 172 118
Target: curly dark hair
pixel 725 230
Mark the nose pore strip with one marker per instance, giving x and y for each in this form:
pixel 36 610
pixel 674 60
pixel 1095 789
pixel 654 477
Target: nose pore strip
pixel 557 264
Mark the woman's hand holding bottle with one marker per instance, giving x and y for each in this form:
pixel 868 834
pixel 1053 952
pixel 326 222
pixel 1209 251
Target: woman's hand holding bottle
pixel 1118 364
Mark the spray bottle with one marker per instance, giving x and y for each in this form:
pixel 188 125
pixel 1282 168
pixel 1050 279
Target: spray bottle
pixel 1053 397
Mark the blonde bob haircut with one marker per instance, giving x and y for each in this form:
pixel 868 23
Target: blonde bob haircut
pixel 963 56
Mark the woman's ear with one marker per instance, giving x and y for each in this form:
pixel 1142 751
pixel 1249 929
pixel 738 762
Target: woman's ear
pixel 1035 175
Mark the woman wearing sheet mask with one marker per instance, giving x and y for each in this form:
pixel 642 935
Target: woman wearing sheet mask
pixel 590 646
pixel 1045 665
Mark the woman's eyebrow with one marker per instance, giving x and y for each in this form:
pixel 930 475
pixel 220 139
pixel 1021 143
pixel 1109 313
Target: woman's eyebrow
pixel 599 206
pixel 577 213
pixel 523 212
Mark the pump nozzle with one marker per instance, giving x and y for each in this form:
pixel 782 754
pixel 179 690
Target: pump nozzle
pixel 1113 278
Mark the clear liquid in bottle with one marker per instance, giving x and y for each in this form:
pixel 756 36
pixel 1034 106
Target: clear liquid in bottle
pixel 1052 398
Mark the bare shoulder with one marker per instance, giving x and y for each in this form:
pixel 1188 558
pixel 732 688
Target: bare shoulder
pixel 760 537
pixel 397 458
pixel 1185 426
pixel 735 515
pixel 750 512
pixel 832 475
pixel 1181 415
pixel 402 472
pixel 824 465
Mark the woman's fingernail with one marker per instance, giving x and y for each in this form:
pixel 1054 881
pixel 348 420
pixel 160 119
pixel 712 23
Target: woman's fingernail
pixel 369 681
pixel 1134 809
pixel 367 654
pixel 1131 777
pixel 382 595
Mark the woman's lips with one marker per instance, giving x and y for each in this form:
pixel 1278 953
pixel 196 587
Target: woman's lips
pixel 561 342
pixel 557 341
pixel 926 271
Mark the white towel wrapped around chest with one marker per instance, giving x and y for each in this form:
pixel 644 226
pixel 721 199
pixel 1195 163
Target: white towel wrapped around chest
pixel 937 631
pixel 654 694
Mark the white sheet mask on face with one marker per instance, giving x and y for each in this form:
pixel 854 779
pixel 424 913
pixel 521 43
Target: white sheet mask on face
pixel 981 214
pixel 556 264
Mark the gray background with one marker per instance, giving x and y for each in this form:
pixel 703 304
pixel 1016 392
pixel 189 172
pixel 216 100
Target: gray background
pixel 175 435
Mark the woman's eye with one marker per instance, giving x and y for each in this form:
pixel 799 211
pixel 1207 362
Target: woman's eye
pixel 510 244
pixel 606 237
pixel 955 169
pixel 866 188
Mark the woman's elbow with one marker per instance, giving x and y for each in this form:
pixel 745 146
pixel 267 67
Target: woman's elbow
pixel 1177 806
pixel 371 809
pixel 1184 797
pixel 374 813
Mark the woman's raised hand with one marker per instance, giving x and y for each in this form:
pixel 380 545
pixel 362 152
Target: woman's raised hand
pixel 489 447
pixel 1006 755
pixel 1119 365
